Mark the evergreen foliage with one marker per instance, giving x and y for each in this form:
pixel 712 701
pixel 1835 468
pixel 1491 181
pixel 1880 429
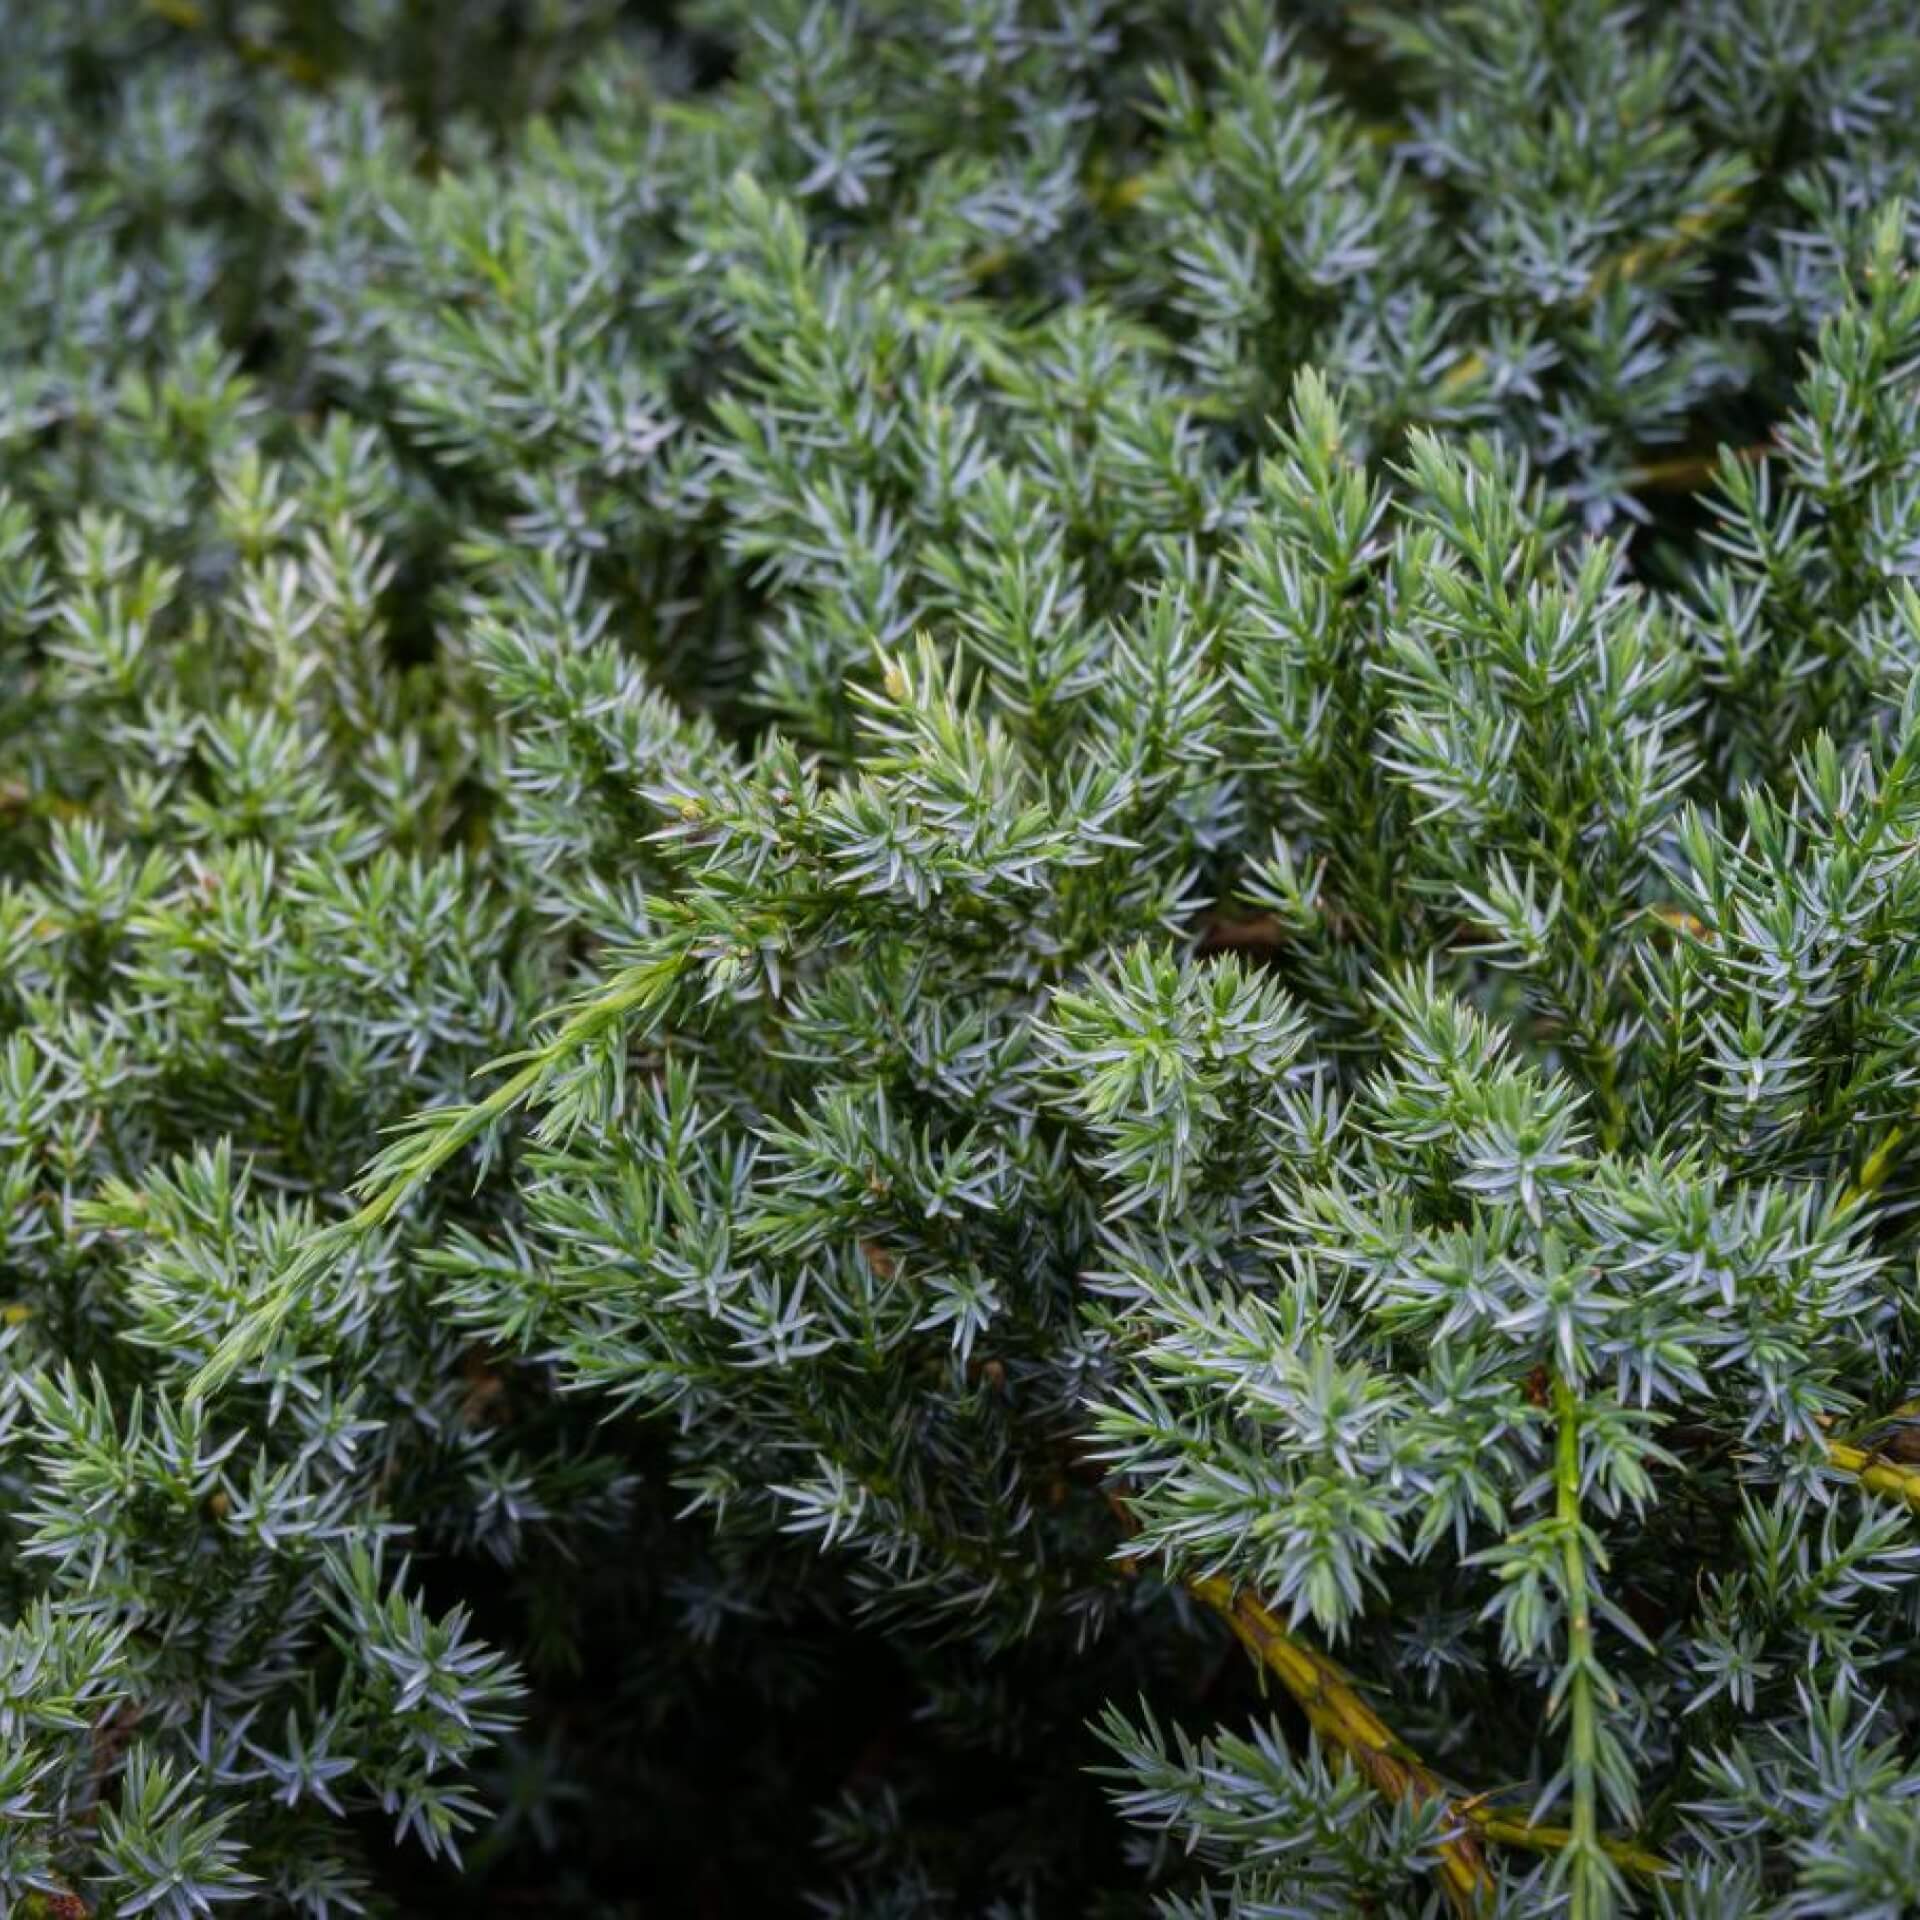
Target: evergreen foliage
pixel 862 865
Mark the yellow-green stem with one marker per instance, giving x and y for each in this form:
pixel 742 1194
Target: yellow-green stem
pixel 1877 1475
pixel 1351 1728
pixel 627 992
pixel 1586 1881
pixel 1873 1176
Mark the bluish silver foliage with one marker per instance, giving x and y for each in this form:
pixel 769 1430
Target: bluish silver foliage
pixel 851 851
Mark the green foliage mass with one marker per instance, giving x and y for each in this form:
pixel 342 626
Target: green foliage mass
pixel 857 857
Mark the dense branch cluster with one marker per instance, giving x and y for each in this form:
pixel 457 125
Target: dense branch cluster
pixel 856 859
